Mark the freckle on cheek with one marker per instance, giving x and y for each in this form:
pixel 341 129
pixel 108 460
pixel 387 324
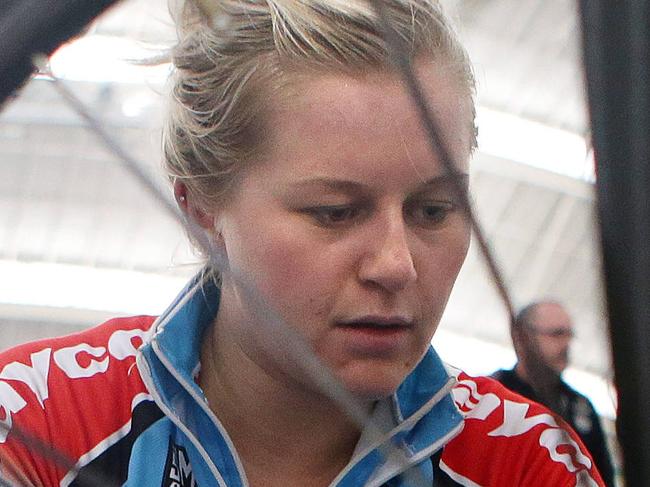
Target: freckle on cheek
pixel 319 309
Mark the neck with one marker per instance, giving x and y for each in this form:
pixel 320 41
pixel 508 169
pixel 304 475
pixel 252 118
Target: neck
pixel 545 384
pixel 541 372
pixel 280 429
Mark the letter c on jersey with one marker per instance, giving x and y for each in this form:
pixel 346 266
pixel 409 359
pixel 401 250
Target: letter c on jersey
pixel 66 359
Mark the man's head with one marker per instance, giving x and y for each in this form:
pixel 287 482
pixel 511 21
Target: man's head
pixel 541 336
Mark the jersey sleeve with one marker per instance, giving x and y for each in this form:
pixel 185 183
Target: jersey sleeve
pixel 509 440
pixel 62 399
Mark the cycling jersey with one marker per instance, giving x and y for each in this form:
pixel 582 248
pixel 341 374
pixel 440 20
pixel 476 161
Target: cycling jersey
pixel 121 407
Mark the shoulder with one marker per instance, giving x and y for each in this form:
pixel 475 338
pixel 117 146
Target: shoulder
pixel 502 374
pixel 71 392
pixel 512 440
pixel 584 418
pixel 109 331
pixel 508 378
pixel 103 353
pixel 575 395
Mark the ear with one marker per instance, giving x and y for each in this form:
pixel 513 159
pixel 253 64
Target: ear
pixel 518 341
pixel 191 208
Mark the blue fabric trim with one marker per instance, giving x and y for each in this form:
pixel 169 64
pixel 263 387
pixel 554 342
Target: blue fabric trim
pixel 180 342
pixel 197 421
pixel 153 445
pixel 182 336
pixel 417 389
pixel 420 385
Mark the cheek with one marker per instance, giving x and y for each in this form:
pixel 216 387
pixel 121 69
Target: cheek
pixel 443 262
pixel 549 349
pixel 291 269
pixel 439 269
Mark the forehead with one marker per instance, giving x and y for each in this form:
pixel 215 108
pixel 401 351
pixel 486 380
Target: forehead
pixel 551 315
pixel 333 114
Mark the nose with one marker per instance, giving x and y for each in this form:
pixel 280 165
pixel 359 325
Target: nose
pixel 388 263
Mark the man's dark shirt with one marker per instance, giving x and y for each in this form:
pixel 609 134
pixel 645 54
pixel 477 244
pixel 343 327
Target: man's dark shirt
pixel 577 410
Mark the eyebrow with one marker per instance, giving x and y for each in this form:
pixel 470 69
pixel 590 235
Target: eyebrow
pixel 456 178
pixel 347 186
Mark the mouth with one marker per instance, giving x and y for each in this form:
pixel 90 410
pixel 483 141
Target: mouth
pixel 378 323
pixel 376 335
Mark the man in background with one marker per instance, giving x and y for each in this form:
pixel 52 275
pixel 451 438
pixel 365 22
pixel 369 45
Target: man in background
pixel 541 336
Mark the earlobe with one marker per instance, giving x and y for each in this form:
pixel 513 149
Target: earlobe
pixel 191 208
pixel 180 194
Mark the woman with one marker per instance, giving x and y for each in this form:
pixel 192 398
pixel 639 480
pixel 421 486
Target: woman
pixel 293 145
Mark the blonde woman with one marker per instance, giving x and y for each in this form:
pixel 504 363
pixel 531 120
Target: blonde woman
pixel 293 145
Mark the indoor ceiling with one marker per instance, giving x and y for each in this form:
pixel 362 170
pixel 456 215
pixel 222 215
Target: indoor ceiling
pixel 65 200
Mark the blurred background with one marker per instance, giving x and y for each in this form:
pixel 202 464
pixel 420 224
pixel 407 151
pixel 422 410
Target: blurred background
pixel 81 241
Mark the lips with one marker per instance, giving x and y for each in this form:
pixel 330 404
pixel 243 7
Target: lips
pixel 375 336
pixel 377 322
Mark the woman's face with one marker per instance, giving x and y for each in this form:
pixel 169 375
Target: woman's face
pixel 350 228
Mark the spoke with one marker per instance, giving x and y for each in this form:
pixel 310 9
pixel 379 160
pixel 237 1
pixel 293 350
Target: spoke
pixel 7 469
pixel 401 60
pixel 51 453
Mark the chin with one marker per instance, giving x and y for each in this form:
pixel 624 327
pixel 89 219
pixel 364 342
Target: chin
pixel 373 387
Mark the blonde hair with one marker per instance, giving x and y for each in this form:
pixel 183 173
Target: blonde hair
pixel 234 56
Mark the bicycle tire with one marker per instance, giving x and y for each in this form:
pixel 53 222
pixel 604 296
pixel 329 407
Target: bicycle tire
pixel 31 27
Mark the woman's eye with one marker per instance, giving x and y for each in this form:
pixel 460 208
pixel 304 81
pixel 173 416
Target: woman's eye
pixel 333 215
pixel 430 214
